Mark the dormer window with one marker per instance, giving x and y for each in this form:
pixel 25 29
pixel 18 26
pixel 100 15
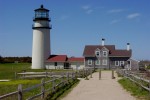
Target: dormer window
pixel 97 53
pixel 105 53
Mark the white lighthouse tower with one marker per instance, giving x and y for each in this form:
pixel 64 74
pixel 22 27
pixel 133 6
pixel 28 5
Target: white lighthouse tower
pixel 41 38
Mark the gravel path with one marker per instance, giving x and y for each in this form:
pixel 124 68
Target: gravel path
pixel 95 89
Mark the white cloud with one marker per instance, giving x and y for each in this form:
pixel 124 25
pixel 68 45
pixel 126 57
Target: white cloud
pixel 115 11
pixel 87 9
pixel 114 21
pixel 133 15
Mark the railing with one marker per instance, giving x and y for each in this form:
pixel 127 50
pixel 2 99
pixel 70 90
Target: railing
pixel 141 81
pixel 63 77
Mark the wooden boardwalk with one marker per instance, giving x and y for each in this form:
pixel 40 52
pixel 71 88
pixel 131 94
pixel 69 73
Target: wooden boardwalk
pixel 95 89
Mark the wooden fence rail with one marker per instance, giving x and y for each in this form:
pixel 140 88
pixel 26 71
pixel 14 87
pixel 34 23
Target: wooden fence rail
pixel 61 77
pixel 141 81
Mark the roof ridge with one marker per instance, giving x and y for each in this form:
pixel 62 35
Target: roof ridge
pixel 99 45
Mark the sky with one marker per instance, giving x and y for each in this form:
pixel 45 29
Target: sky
pixel 76 23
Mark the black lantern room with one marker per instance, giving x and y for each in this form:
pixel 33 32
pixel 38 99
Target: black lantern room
pixel 41 14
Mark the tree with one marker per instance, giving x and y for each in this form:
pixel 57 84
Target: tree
pixel 1 59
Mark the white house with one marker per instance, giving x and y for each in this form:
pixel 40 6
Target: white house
pixel 63 62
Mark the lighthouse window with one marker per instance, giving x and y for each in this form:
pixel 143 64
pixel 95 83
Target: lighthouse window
pixel 41 14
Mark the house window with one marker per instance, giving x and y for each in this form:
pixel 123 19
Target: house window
pixel 89 62
pixel 97 62
pixel 116 63
pixel 121 63
pixel 97 53
pixel 104 62
pixel 105 54
pixel 55 63
pixel 129 62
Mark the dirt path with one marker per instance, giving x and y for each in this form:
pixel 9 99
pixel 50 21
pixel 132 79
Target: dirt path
pixel 95 89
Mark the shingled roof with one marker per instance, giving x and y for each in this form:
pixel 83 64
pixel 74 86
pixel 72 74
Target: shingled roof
pixel 76 59
pixel 89 51
pixel 57 58
pixel 64 58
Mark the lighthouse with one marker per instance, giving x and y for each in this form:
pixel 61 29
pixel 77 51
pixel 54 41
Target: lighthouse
pixel 41 38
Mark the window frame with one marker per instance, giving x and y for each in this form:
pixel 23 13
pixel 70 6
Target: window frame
pixel 96 62
pixel 121 63
pixel 90 62
pixel 105 62
pixel 117 63
pixel 97 52
pixel 105 52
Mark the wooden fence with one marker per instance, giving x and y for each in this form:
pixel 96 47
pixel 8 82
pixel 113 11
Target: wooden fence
pixel 64 79
pixel 138 79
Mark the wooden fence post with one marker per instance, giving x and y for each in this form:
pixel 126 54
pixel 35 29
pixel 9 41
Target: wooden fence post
pixel 99 74
pixel 20 92
pixel 68 77
pixel 113 74
pixel 75 75
pixel 53 84
pixel 46 74
pixel 149 88
pixel 62 79
pixel 42 89
pixel 79 74
pixel 91 73
pixel 72 75
pixel 83 73
pixel 23 74
pixel 50 74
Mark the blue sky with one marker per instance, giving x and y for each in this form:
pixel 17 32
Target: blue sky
pixel 76 23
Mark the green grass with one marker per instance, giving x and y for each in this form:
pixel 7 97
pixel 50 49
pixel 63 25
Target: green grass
pixel 7 71
pixel 135 90
pixel 11 86
pixel 68 90
pixel 63 91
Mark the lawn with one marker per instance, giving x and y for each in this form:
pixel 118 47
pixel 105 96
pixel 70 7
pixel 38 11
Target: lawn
pixel 7 71
pixel 11 86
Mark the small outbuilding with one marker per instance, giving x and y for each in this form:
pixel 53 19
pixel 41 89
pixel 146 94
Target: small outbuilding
pixel 132 64
pixel 63 62
pixel 57 62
